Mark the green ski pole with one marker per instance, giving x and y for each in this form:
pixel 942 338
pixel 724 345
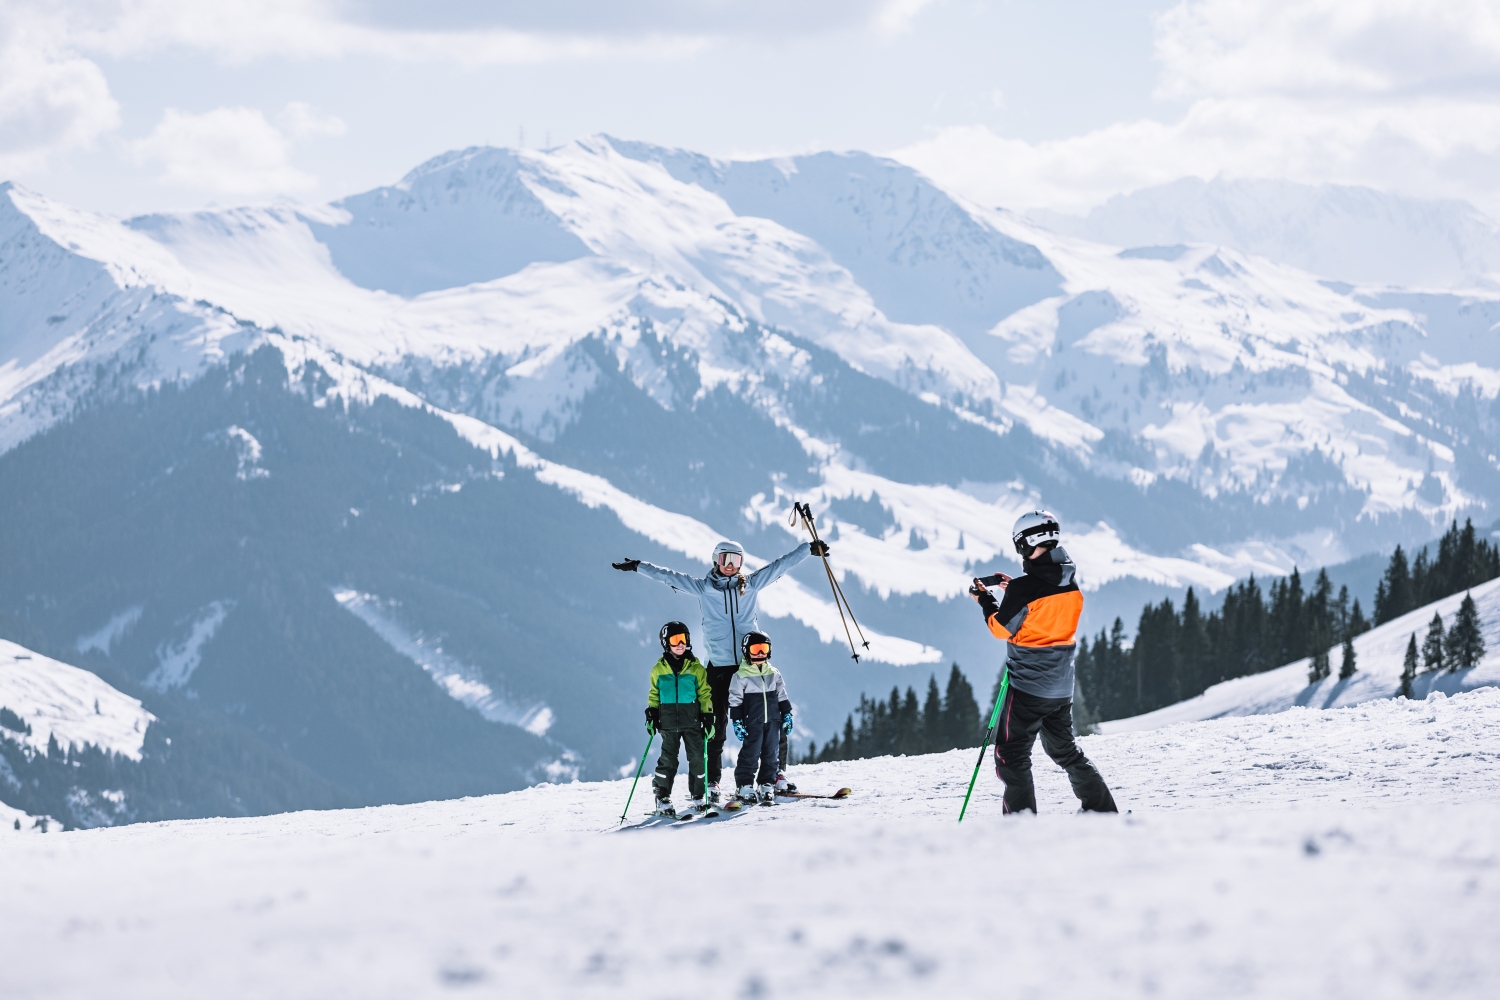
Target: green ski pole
pixel 649 740
pixel 994 719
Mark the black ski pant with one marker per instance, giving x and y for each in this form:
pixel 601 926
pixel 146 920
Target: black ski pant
pixel 1022 717
pixel 718 686
pixel 666 764
pixel 759 753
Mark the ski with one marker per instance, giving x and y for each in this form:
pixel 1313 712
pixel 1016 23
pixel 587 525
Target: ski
pixel 692 814
pixel 842 793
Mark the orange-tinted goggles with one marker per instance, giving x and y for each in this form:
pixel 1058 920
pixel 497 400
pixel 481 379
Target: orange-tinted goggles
pixel 677 640
pixel 760 649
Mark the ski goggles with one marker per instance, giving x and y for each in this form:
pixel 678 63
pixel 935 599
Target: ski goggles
pixel 732 559
pixel 680 639
pixel 759 650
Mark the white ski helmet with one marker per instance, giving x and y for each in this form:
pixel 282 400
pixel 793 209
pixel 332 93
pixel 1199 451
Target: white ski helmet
pixel 727 546
pixel 1035 528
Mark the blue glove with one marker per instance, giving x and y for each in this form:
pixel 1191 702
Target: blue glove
pixel 786 723
pixel 739 730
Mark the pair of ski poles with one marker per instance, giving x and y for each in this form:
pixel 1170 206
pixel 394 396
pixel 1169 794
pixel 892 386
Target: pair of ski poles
pixel 804 512
pixel 641 766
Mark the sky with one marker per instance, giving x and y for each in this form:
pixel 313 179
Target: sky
pixel 130 106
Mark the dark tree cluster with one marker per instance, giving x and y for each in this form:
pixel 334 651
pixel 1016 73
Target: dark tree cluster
pixel 903 725
pixel 1180 654
pixel 1459 647
pixel 1463 561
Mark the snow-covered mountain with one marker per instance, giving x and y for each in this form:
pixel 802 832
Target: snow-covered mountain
pixel 1342 852
pixel 1336 231
pixel 347 477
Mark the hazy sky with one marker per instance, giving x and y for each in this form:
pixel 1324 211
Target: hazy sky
pixel 134 105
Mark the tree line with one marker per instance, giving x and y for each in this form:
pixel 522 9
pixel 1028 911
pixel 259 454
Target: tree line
pixel 1179 654
pixel 901 724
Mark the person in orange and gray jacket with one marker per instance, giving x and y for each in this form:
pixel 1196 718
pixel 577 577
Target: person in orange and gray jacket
pixel 1038 620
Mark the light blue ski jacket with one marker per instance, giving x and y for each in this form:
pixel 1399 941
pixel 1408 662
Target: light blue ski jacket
pixel 727 614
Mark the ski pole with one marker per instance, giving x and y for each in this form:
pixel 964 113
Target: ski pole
pixel 994 719
pixel 840 602
pixel 638 768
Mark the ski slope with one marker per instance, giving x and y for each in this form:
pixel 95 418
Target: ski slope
pixel 57 699
pixel 1378 655
pixel 1333 853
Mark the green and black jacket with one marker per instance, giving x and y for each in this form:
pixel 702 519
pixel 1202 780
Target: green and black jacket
pixel 681 692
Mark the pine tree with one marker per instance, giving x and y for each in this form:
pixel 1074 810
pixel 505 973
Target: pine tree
pixel 1432 646
pixel 960 711
pixel 1347 668
pixel 1409 666
pixel 933 736
pixel 1320 667
pixel 1464 644
pixel 1357 623
pixel 1393 595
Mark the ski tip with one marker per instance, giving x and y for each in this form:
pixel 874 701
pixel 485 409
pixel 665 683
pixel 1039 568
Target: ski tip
pixel 842 793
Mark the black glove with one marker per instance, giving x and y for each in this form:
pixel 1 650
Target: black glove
pixel 653 718
pixel 626 565
pixel 706 720
pixel 987 602
pixel 818 547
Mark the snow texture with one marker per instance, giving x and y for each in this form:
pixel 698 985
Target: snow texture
pixel 1332 853
pixel 60 700
pixel 1378 656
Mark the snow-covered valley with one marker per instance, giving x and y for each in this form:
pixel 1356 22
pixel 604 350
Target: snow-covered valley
pixel 1330 853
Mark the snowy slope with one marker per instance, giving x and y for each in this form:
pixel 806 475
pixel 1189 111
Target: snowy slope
pixel 73 705
pixel 1346 233
pixel 1337 853
pixel 1379 655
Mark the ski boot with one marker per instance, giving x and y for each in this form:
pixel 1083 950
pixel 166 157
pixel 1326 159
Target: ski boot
pixel 664 808
pixel 767 795
pixel 782 785
pixel 713 794
pixel 746 794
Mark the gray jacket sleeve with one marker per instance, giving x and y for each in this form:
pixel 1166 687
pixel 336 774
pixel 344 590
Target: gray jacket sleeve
pixel 773 571
pixel 736 690
pixel 781 689
pixel 670 577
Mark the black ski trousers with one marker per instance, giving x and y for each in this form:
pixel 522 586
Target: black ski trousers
pixel 1022 717
pixel 666 764
pixel 718 686
pixel 758 754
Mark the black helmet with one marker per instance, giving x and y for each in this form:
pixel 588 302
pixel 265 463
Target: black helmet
pixel 752 639
pixel 675 628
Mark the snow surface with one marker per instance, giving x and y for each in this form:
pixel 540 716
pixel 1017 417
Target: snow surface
pixel 1330 853
pixel 1378 655
pixel 58 699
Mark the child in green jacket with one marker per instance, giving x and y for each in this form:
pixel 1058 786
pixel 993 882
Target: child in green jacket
pixel 681 708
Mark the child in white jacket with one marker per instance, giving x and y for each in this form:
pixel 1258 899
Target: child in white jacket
pixel 760 712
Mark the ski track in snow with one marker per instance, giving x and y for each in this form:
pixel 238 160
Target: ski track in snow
pixel 1315 853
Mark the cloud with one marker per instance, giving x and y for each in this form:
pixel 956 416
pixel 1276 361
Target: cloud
pixel 51 98
pixel 469 31
pixel 233 151
pixel 1386 93
pixel 301 120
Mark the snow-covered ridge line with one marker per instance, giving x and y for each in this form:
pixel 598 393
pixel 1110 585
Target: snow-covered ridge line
pixel 59 700
pixel 675 531
pixel 1379 654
